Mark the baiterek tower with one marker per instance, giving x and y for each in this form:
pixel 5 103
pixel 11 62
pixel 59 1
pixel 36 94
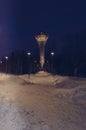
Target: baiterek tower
pixel 41 40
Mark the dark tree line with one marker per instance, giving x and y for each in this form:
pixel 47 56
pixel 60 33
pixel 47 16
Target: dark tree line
pixel 20 63
pixel 72 61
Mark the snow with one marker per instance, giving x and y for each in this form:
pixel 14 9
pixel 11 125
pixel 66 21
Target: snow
pixel 42 102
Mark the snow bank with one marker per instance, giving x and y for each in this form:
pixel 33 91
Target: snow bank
pixel 42 102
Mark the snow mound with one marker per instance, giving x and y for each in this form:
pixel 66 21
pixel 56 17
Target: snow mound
pixel 68 82
pixel 42 102
pixel 42 74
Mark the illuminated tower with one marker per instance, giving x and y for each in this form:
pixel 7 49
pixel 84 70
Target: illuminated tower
pixel 42 39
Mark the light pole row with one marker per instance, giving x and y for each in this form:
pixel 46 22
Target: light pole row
pixel 29 62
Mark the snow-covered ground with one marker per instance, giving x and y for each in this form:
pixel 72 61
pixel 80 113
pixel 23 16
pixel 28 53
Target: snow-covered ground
pixel 43 102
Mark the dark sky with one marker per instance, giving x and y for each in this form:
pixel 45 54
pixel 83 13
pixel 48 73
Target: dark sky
pixel 21 20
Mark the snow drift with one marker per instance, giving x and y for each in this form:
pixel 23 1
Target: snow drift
pixel 42 102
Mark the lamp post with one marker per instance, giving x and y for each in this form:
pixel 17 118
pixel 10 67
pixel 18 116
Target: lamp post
pixel 52 55
pixel 29 64
pixel 6 58
pixel 35 66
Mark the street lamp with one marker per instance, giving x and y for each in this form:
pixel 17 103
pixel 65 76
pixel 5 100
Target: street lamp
pixel 6 58
pixel 52 54
pixel 29 64
pixel 28 53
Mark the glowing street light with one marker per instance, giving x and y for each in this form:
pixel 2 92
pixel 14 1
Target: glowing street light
pixel 6 57
pixel 28 53
pixel 52 53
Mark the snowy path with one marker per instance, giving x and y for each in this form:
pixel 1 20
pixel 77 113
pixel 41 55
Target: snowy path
pixel 43 103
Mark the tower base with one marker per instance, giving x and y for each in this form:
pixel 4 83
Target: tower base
pixel 41 69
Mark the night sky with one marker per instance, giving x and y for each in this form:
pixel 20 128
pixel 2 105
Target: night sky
pixel 21 20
